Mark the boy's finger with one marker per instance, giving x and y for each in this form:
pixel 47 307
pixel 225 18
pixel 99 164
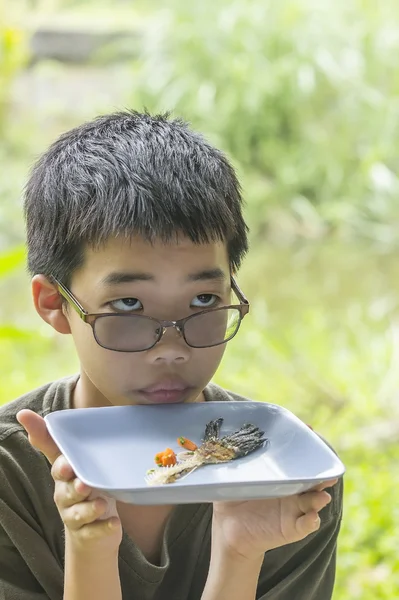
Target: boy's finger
pixel 324 485
pixel 62 470
pixel 313 501
pixel 39 437
pixel 84 513
pixel 308 523
pixel 68 493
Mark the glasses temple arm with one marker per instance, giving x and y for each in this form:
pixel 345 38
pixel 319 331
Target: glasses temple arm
pixel 238 292
pixel 70 298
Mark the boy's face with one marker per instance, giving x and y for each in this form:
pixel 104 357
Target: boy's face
pixel 168 292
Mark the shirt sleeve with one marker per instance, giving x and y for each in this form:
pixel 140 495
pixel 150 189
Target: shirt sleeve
pixel 30 565
pixel 305 570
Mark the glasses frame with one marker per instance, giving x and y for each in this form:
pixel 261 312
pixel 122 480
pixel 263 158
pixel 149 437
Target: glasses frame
pixel 91 318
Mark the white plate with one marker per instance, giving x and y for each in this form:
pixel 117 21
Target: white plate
pixel 111 449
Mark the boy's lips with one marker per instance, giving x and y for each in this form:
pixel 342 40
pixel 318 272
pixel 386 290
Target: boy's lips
pixel 168 390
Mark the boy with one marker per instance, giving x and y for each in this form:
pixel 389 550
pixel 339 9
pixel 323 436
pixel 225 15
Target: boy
pixel 128 217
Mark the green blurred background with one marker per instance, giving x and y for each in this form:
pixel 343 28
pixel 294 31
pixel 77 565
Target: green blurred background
pixel 304 97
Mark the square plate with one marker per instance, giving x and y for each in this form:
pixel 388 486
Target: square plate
pixel 111 449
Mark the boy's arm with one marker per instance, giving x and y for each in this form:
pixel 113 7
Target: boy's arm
pixel 312 579
pixel 231 579
pixel 31 555
pixel 303 570
pixel 93 530
pixel 91 577
pixel 30 571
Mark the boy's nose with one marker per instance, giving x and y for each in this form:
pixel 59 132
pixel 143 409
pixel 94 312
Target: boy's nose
pixel 171 348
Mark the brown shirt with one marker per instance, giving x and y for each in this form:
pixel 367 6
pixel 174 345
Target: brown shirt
pixel 32 536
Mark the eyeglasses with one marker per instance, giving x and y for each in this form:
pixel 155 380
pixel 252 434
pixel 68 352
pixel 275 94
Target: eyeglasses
pixel 137 333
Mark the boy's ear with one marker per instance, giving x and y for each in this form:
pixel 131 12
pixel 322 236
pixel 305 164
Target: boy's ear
pixel 48 303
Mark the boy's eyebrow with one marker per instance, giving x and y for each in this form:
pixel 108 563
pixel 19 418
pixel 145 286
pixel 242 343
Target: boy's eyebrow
pixel 124 277
pixel 207 275
pixel 117 277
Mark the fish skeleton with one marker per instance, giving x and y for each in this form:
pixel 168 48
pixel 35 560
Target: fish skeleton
pixel 213 450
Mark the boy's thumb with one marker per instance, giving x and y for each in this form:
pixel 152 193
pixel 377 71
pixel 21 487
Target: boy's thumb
pixel 38 435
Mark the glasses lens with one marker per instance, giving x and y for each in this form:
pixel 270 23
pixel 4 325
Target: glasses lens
pixel 212 328
pixel 126 333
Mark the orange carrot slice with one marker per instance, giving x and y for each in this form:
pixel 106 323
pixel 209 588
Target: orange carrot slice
pixel 165 458
pixel 158 458
pixel 187 444
pixel 168 458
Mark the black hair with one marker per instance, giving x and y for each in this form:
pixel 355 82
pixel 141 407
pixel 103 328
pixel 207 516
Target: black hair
pixel 129 173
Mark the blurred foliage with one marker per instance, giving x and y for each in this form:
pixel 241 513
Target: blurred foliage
pixel 13 57
pixel 323 341
pixel 12 260
pixel 303 95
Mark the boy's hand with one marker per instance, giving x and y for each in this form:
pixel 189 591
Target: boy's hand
pixel 91 520
pixel 248 529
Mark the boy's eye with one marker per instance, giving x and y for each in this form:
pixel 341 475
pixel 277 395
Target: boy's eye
pixel 126 304
pixel 205 300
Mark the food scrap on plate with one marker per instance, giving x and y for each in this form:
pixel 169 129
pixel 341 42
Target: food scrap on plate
pixel 213 450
